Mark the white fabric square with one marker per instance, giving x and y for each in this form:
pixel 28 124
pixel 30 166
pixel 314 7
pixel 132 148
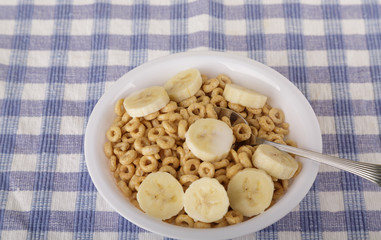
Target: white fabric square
pixel 331 201
pixel 353 26
pixel 327 124
pixel 366 125
pixel 120 26
pixel 272 2
pixel 2 88
pixel 277 58
pixel 320 91
pixel 101 204
pixel 235 27
pixel 29 125
pixel 60 235
pixel 14 234
pixel 149 236
pixel 68 162
pixel 372 201
pixel 160 27
pixel 335 235
pixel 24 162
pixel 108 236
pixel 274 26
pixel 71 125
pixel 7 27
pixel 63 201
pixel 78 58
pixel 358 58
pixel 361 91
pixel 311 2
pixel 42 27
pixel 289 235
pixel 198 23
pixel 370 157
pixel 19 200
pixel 313 27
pixel 81 27
pixel 350 2
pixel 153 54
pixel 5 55
pixel 75 92
pixel 38 58
pixel 118 58
pixel 316 59
pixel 34 91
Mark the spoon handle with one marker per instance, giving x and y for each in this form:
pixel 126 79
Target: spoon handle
pixel 371 172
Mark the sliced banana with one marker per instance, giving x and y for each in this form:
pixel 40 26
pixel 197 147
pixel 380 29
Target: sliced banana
pixel 275 162
pixel 209 139
pixel 183 85
pixel 250 191
pixel 206 200
pixel 244 96
pixel 160 195
pixel 146 101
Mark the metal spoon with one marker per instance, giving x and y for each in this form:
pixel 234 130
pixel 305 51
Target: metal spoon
pixel 371 172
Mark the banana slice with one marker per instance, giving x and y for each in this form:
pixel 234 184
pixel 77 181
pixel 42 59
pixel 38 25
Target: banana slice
pixel 209 139
pixel 250 191
pixel 206 200
pixel 183 85
pixel 275 162
pixel 146 101
pixel 244 96
pixel 160 195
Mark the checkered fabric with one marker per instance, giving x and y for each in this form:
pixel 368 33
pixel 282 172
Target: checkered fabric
pixel 57 58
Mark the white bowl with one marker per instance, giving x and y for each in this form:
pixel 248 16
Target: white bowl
pixel 304 129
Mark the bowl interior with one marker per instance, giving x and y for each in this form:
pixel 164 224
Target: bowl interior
pixel 304 129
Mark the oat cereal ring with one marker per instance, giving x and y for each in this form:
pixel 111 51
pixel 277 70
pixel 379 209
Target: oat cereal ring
pixel 224 180
pixel 243 114
pixel 221 171
pixel 289 142
pixel 193 119
pixel 139 171
pixel 276 115
pixel 165 142
pixel 169 127
pixel 233 217
pixel 113 163
pixel 233 170
pixel 278 190
pixel 155 123
pixel 285 183
pixel 187 102
pixel 170 107
pixel 266 109
pixel 120 149
pixel 119 108
pixel 210 112
pixel 139 131
pixel 128 157
pixel 203 100
pixel 210 84
pixel 126 117
pixel 254 111
pixel 202 225
pixel 169 117
pixel 221 164
pixel 280 130
pixel 148 163
pixel 155 133
pixel 191 166
pixel 199 93
pixel 253 122
pixel 135 182
pixel 126 172
pixel 245 148
pixel 220 223
pixel 217 91
pixel 184 221
pixel 171 161
pixel 184 113
pixel 262 133
pixel 140 143
pixel 219 101
pixel 132 124
pixel 169 170
pixel 204 77
pixel 241 132
pixel 182 128
pixel 245 160
pixel 113 134
pixel 266 123
pixel 298 170
pixel 108 150
pixel 206 169
pixel 233 155
pixel 223 80
pixel 226 120
pixel 196 109
pixel 124 188
pixel 150 150
pixel 187 179
pixel 275 137
pixel 236 107
pixel 151 116
pixel 147 124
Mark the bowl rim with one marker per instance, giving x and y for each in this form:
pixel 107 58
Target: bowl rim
pixel 140 219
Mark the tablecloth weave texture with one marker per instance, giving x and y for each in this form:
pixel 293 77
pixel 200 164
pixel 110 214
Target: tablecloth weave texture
pixel 57 58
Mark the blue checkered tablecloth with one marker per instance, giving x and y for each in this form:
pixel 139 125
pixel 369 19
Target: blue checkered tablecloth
pixel 57 58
